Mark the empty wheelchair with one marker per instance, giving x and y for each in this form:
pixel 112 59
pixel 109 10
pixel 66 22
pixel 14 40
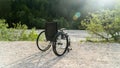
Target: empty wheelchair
pixel 51 36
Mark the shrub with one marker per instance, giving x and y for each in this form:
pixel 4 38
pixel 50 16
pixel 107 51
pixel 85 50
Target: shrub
pixel 3 30
pixel 105 24
pixel 20 26
pixel 32 35
pixel 18 33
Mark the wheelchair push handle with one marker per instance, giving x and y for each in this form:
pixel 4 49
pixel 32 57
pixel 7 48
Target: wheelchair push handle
pixel 62 29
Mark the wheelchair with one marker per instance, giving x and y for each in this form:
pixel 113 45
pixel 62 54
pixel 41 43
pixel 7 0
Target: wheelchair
pixel 51 36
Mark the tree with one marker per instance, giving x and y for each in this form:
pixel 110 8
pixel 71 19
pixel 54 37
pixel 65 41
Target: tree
pixel 5 8
pixel 105 23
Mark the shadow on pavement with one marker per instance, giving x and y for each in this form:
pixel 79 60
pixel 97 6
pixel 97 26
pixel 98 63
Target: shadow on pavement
pixel 37 60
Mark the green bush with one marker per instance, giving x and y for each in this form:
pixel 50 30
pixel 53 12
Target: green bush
pixel 105 24
pixel 18 33
pixel 20 26
pixel 3 30
pixel 32 35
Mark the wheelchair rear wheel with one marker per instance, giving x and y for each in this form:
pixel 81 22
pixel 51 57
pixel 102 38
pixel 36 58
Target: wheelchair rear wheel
pixel 42 42
pixel 60 44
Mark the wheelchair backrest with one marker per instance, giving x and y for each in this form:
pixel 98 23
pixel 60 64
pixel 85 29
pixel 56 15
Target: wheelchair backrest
pixel 51 30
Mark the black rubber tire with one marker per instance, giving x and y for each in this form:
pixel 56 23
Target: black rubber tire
pixel 39 44
pixel 55 46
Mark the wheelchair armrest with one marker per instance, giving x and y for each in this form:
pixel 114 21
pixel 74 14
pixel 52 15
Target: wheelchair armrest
pixel 62 29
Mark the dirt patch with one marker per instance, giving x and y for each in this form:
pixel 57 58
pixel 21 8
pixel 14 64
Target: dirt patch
pixel 23 54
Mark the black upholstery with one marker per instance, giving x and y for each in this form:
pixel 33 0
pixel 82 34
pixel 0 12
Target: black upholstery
pixel 50 30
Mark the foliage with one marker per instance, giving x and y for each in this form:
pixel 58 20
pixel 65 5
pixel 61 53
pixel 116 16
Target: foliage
pixel 19 26
pixel 18 33
pixel 5 8
pixel 38 22
pixel 34 13
pixel 28 36
pixel 32 35
pixel 2 24
pixel 62 22
pixel 3 29
pixel 104 23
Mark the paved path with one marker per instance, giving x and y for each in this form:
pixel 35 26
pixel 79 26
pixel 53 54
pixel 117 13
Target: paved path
pixel 23 54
